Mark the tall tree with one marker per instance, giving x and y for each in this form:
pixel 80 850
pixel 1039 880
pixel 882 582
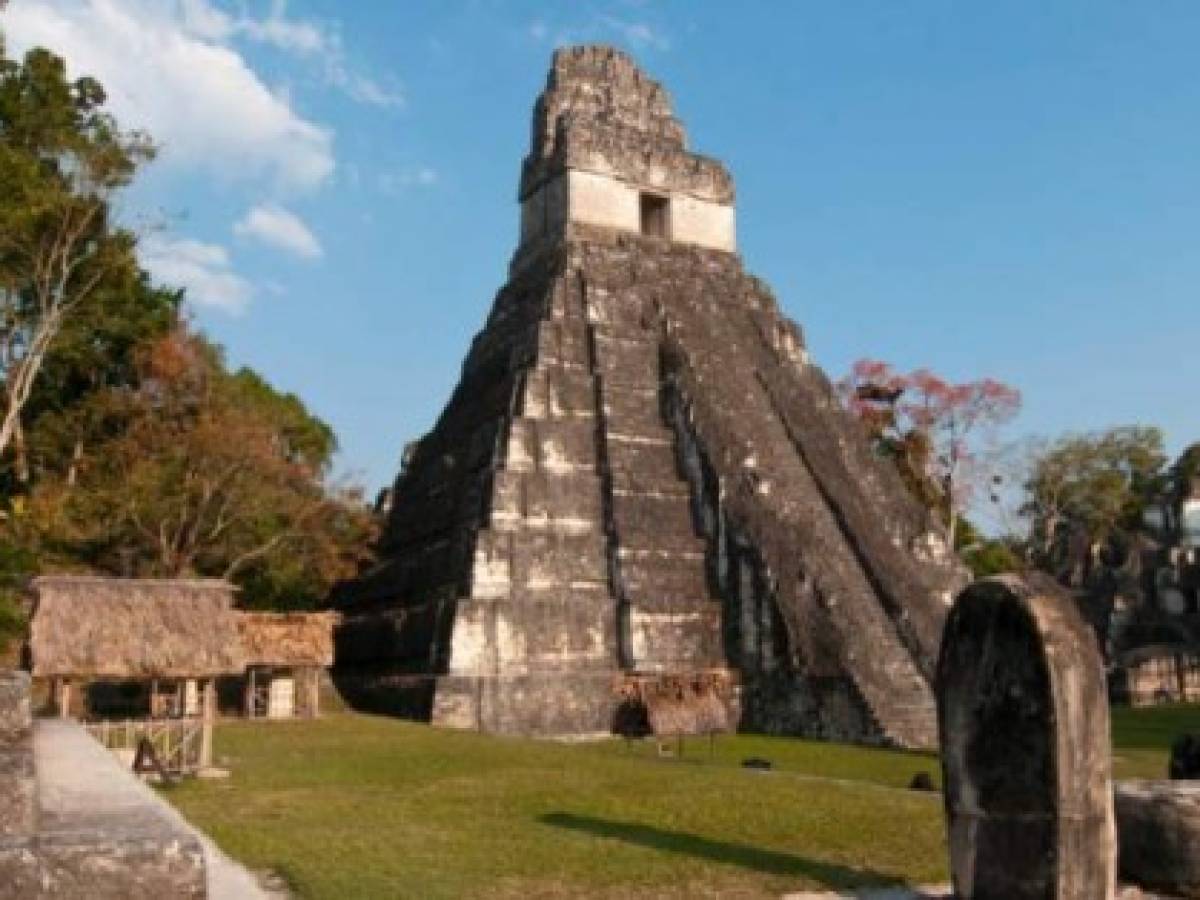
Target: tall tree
pixel 207 473
pixel 62 158
pixel 1086 491
pixel 931 428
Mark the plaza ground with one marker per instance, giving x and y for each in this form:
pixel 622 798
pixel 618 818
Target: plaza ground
pixel 359 806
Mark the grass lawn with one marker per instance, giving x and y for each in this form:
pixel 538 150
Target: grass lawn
pixel 358 806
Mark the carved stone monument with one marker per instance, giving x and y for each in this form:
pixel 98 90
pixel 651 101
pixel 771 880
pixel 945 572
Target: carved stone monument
pixel 1158 823
pixel 1023 715
pixel 642 473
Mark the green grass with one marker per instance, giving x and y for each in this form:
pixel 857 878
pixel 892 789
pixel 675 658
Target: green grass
pixel 357 806
pixel 1142 738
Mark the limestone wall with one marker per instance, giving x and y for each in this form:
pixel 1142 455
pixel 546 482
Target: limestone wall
pixel 605 201
pixel 88 839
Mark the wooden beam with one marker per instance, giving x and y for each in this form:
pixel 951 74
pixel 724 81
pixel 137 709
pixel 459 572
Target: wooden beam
pixel 208 707
pixel 63 700
pixel 248 693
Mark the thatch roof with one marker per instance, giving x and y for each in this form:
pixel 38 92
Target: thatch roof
pixel 679 704
pixel 85 626
pixel 287 639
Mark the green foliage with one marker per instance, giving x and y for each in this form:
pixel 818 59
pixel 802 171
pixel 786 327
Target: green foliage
pixel 199 471
pixel 988 556
pixel 1185 472
pixel 126 443
pixel 306 438
pixel 1087 490
pixel 993 557
pixel 62 158
pixel 16 565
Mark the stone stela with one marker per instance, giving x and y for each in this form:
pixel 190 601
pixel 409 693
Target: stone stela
pixel 1025 746
pixel 642 490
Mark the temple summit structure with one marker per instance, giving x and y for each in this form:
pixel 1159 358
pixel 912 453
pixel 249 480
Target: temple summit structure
pixel 642 479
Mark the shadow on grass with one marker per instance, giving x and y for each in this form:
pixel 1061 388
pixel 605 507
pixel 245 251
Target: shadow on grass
pixel 768 862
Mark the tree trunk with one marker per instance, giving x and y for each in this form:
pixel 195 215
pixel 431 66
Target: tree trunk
pixel 76 459
pixel 20 454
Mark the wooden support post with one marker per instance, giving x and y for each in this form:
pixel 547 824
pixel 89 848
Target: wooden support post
pixel 314 692
pixel 208 710
pixel 63 698
pixel 248 698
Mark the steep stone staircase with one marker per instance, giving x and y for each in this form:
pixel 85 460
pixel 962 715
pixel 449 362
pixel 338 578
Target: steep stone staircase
pixel 707 308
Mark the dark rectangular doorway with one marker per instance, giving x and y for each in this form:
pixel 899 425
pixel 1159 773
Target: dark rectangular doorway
pixel 655 215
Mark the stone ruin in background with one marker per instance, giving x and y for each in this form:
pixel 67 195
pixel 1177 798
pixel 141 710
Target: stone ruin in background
pixel 1146 602
pixel 642 484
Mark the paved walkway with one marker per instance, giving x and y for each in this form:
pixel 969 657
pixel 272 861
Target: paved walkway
pixel 81 786
pixel 927 892
pixel 939 892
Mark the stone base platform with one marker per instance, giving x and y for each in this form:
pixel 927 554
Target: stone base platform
pixel 544 704
pixel 101 833
pixel 1158 828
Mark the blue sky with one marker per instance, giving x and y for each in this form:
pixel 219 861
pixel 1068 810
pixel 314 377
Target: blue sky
pixel 1006 190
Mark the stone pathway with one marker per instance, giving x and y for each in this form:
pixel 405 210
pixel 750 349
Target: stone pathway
pixel 924 892
pixel 937 892
pixel 81 787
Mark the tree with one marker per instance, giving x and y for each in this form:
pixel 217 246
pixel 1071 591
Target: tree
pixel 95 351
pixel 62 158
pixel 930 428
pixel 207 473
pixel 1085 492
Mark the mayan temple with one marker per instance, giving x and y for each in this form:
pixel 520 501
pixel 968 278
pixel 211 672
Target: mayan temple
pixel 642 477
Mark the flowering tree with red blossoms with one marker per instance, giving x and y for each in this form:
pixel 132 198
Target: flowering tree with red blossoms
pixel 930 427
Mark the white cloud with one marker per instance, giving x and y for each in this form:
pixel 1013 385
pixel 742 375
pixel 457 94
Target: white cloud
pixel 279 228
pixel 166 72
pixel 203 270
pixel 637 34
pixel 362 89
pixel 299 37
pixel 413 176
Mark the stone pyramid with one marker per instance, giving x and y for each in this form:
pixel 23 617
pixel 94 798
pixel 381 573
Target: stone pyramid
pixel 642 476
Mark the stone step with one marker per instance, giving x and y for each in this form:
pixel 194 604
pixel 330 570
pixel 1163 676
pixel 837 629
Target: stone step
pixel 683 583
pixel 626 362
pixel 627 408
pixel 557 393
pixel 661 546
pixel 638 515
pixel 570 501
pixel 564 343
pixel 551 445
pixel 640 462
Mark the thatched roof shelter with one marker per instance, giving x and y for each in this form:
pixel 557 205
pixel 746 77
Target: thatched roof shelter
pixel 87 626
pixel 287 639
pixel 696 703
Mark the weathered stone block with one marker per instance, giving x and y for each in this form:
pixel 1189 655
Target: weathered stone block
pixel 559 393
pixel 15 715
pixel 579 703
pixel 18 810
pixel 1023 716
pixel 93 866
pixel 1158 825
